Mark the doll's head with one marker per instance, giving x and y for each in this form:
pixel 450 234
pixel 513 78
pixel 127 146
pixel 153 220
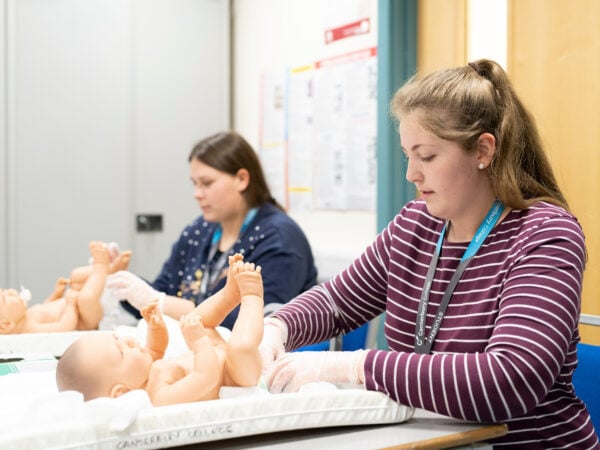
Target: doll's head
pixel 102 364
pixel 13 309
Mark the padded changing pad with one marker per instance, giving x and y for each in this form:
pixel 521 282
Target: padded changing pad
pixel 24 344
pixel 35 415
pixel 27 344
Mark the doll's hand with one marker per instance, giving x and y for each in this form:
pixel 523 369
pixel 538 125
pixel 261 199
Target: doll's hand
pixel 152 315
pixel 59 290
pixel 157 335
pixel 192 328
pixel 293 370
pixel 130 287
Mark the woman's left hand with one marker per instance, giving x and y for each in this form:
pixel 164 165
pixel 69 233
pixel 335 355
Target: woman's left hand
pixel 291 371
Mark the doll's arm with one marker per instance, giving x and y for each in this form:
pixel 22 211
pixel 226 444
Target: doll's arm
pixel 157 337
pixel 59 290
pixel 193 387
pixel 169 384
pixel 66 322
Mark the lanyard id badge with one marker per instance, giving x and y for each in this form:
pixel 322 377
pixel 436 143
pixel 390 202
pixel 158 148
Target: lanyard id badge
pixel 214 268
pixel 423 343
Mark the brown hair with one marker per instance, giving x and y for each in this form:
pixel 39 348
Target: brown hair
pixel 229 152
pixel 460 104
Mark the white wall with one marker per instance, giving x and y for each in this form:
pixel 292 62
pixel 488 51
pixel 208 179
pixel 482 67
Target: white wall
pixel 270 36
pixel 3 177
pixel 487 30
pixel 180 95
pixel 104 100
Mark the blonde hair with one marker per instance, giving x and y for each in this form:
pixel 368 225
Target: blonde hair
pixel 460 104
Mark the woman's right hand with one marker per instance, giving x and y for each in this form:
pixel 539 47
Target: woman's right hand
pixel 127 286
pixel 272 345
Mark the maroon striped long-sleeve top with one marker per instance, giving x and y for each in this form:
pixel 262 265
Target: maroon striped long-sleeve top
pixel 506 348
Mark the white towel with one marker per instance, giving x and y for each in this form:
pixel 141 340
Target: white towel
pixel 33 398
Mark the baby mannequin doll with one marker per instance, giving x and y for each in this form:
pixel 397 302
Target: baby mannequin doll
pixel 106 365
pixel 77 307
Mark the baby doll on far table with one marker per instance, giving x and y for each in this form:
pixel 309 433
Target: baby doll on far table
pixel 73 305
pixel 108 365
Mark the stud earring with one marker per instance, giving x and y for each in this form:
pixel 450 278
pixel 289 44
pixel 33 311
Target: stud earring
pixel 481 166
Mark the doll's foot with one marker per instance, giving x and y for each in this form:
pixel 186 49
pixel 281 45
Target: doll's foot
pixel 248 279
pixel 120 262
pixel 231 290
pixel 99 253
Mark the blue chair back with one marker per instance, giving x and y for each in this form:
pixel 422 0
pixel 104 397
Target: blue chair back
pixel 586 380
pixel 354 340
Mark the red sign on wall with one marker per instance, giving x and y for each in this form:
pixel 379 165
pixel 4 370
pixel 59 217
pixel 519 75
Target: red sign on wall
pixel 362 26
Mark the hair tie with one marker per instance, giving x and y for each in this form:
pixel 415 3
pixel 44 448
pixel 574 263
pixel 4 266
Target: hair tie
pixel 475 67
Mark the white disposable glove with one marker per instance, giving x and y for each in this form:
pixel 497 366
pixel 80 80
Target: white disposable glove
pixel 113 250
pixel 272 345
pixel 293 370
pixel 127 286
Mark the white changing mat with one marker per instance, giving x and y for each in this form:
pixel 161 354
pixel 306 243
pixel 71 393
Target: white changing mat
pixel 26 344
pixel 35 415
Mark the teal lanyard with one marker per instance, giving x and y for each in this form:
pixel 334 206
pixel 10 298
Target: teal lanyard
pixel 214 268
pixel 423 344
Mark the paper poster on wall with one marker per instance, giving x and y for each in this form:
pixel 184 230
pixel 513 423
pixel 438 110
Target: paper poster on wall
pixel 345 116
pixel 328 158
pixel 301 145
pixel 273 142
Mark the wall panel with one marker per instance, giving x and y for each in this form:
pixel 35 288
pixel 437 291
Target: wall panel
pixel 441 34
pixel 554 62
pixel 104 100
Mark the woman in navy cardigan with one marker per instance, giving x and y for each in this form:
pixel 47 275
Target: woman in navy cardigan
pixel 239 215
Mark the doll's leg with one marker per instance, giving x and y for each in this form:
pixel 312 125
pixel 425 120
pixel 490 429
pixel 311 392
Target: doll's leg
pixel 79 275
pixel 214 309
pixel 88 299
pixel 121 262
pixel 243 363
